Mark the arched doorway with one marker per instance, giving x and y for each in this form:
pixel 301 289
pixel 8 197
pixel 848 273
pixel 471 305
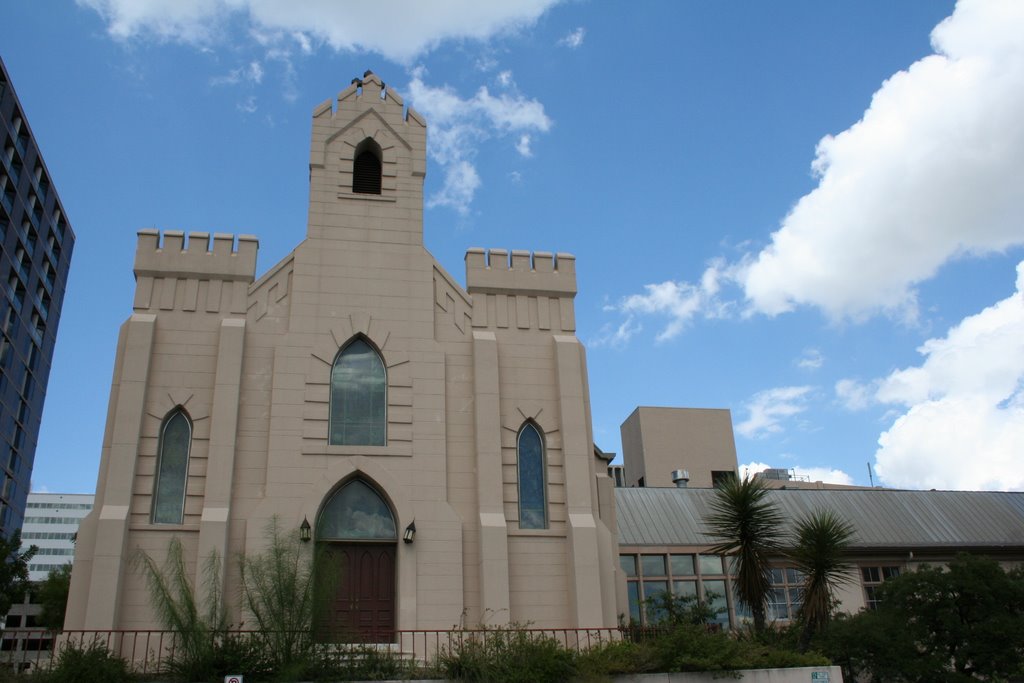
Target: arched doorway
pixel 356 542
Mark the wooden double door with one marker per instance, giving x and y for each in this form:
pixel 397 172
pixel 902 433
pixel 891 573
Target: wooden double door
pixel 359 591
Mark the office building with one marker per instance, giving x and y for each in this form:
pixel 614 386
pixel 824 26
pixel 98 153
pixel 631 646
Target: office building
pixel 51 524
pixel 35 251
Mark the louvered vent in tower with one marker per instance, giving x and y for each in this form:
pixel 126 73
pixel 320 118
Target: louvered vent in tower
pixel 366 173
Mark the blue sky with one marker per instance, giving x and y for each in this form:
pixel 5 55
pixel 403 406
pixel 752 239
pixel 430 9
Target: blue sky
pixel 809 213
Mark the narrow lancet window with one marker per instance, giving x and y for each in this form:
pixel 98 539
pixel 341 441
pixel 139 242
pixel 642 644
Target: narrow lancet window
pixel 358 397
pixel 366 168
pixel 533 500
pixel 172 469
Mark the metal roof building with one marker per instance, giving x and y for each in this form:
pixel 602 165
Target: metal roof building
pixel 663 546
pixel 885 519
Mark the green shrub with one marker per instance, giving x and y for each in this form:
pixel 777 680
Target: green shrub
pixel 86 664
pixel 366 663
pixel 513 655
pixel 622 657
pixel 689 647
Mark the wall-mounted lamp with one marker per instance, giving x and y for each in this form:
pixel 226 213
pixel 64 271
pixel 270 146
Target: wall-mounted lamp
pixel 305 531
pixel 410 532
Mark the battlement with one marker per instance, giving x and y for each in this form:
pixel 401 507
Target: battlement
pixel 364 93
pixel 196 260
pixel 496 271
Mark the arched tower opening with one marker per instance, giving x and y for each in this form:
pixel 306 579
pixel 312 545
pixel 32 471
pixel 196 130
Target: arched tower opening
pixel 367 167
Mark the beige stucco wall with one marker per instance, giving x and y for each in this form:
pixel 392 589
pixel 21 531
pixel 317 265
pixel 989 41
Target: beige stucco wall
pixel 656 441
pixel 249 360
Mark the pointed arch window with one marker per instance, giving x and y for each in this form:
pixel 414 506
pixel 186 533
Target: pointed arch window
pixel 172 468
pixel 356 512
pixel 367 168
pixel 533 499
pixel 358 414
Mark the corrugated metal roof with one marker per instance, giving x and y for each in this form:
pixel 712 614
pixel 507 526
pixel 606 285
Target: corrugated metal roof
pixel 883 518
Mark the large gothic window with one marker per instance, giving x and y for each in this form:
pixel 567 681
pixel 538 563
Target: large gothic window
pixel 366 168
pixel 356 512
pixel 172 468
pixel 533 502
pixel 358 397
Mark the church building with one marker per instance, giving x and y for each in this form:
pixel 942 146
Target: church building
pixel 432 437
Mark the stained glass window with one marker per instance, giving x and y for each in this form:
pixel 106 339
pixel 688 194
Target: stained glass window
pixel 358 397
pixel 533 504
pixel 356 513
pixel 172 469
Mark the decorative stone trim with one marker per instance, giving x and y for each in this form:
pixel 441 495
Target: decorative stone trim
pixel 316 413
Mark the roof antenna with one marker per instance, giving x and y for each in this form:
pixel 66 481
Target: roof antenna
pixel 870 476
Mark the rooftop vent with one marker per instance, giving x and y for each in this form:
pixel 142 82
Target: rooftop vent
pixel 681 478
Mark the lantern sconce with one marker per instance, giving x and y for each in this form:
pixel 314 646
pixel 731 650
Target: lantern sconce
pixel 410 532
pixel 305 531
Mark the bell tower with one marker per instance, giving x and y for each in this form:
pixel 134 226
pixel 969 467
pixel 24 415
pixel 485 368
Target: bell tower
pixel 367 162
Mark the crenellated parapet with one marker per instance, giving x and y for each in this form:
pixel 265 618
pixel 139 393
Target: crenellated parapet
pixel 197 275
pixel 522 289
pixel 539 273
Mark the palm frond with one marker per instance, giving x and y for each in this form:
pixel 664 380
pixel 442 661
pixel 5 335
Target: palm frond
pixel 748 527
pixel 820 543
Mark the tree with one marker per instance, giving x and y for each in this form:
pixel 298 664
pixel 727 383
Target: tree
pixel 278 591
pixel 821 539
pixel 199 628
pixel 53 596
pixel 14 572
pixel 964 623
pixel 749 528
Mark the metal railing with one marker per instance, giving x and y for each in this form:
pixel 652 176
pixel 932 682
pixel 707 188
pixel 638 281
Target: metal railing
pixel 149 651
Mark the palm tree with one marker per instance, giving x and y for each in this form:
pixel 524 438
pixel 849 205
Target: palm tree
pixel 749 528
pixel 822 538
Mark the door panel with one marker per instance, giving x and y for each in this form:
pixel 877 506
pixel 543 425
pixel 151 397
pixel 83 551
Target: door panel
pixel 362 608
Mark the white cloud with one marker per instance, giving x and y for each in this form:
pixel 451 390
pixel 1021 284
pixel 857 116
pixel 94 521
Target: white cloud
pixel 248 105
pixel 400 31
pixel 523 146
pixel 854 395
pixel 574 39
pixel 617 337
pixel 932 172
pixel 458 126
pixel 254 72
pixel 963 421
pixel 828 475
pixel 251 73
pixel 811 359
pixel 770 408
pixel 680 302
pixel 460 184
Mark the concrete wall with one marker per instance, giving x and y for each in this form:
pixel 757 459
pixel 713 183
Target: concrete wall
pixel 656 441
pixel 806 674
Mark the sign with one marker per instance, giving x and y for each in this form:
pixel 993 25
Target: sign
pixel 238 679
pixel 815 676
